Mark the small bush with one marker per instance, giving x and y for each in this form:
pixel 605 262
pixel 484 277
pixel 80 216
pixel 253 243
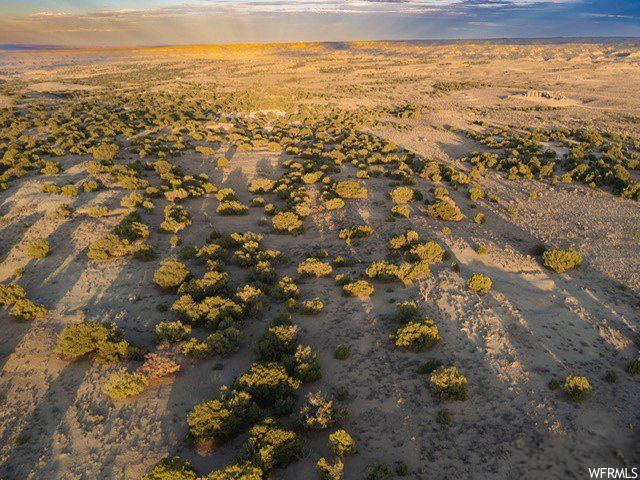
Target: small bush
pixel 429 367
pixel 341 352
pixel 360 231
pixel 158 365
pixel 444 417
pixel 306 366
pixel 286 289
pixel 271 445
pixel 561 260
pixel 326 471
pixel 311 307
pixel 11 293
pixel 378 471
pixel 318 413
pixel 449 384
pixel 243 471
pixel 445 209
pixel 479 283
pixel 382 271
pixel 401 211
pixel 124 385
pixel 633 367
pixel 109 246
pixel 417 336
pixel 85 338
pixel 429 252
pixel 171 274
pixel 334 204
pixel 26 310
pixel 219 418
pixel 313 267
pixel 476 193
pixel 39 249
pixel 287 222
pixel 98 211
pixel 360 288
pixel 172 469
pixel 341 443
pixel 350 189
pixel 268 383
pixel 479 218
pixel 577 387
pixel 225 341
pixel 402 195
pixel 406 311
pixel 232 208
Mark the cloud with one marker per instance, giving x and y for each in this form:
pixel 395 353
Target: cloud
pixel 211 21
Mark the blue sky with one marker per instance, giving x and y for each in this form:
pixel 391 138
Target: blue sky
pixel 153 22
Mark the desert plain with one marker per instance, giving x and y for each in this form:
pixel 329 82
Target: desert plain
pixel 402 170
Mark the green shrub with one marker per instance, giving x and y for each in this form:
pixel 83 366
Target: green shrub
pixel 479 218
pixel 402 195
pixel 286 289
pixel 276 342
pixel 268 383
pixel 476 193
pixel 360 231
pixel 225 341
pixel 261 185
pixel 341 352
pixel 429 367
pixel 98 211
pixel 252 299
pixel 312 267
pixel 306 366
pixel 633 367
pixel 85 338
pixel 287 222
pixel 382 271
pixel 408 239
pixel 406 311
pixel 176 218
pixel 577 387
pixel 429 252
pixel 341 443
pixel 196 349
pixel 360 288
pixel 243 471
pixel 158 365
pixel 124 385
pixel 226 194
pixel 131 228
pixel 408 272
pixel 318 413
pixel 108 246
pixel 172 469
pixel 171 274
pixel 378 471
pixel 561 260
pixel 449 384
pixel 402 469
pixel 444 417
pixel 51 168
pixel 417 336
pixel 25 310
pixel 350 189
pixel 340 262
pixel 69 191
pixel 401 211
pixel 445 209
pixel 479 283
pixel 39 249
pixel 311 307
pixel 91 186
pixel 220 418
pixel 271 445
pixel 264 272
pixel 326 471
pixel 11 293
pixel 232 207
pixel 334 204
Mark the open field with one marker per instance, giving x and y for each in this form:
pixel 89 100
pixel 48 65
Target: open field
pixel 179 224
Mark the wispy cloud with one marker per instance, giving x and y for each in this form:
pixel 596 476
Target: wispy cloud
pixel 202 21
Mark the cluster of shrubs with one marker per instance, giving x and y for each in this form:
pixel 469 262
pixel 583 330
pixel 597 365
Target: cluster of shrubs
pixel 597 159
pixel 14 296
pixel 125 240
pixel 122 385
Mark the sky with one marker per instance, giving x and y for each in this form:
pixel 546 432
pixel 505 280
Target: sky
pixel 178 22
